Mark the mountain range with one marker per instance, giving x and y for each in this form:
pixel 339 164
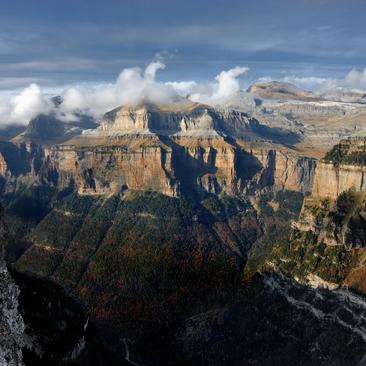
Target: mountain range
pixel 170 223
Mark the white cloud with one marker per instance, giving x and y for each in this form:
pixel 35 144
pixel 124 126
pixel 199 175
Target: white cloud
pixel 356 78
pixel 19 109
pixel 134 85
pixel 151 70
pixel 314 83
pixel 183 87
pixel 226 85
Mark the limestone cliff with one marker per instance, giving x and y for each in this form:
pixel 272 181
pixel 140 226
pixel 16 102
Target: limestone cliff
pixel 143 163
pixel 342 168
pixel 163 148
pixel 330 180
pixel 169 165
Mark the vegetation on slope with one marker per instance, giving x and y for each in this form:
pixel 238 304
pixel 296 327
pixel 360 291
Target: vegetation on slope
pixel 328 242
pixel 141 260
pixel 347 152
pixel 276 211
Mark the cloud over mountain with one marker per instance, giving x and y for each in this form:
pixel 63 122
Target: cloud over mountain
pixel 21 108
pixel 136 84
pixel 133 85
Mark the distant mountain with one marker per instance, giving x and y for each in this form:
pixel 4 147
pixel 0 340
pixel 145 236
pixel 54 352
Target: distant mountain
pixel 280 90
pixel 49 129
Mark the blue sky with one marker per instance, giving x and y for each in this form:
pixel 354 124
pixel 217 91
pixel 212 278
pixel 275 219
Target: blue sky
pixel 63 42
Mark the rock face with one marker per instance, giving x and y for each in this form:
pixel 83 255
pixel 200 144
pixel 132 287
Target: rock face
pixel 342 168
pixel 162 148
pixel 284 170
pixel 169 165
pixel 186 119
pixel 142 165
pixel 330 180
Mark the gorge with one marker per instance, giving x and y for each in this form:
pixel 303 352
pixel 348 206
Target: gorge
pixel 175 229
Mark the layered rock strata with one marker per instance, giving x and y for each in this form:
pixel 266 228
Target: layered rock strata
pixel 167 149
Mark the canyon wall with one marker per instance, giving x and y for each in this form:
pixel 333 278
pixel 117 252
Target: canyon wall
pixel 163 148
pixel 330 180
pixel 342 168
pixel 152 163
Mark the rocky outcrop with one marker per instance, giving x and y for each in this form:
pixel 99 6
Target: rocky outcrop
pixel 284 170
pixel 187 119
pixel 12 326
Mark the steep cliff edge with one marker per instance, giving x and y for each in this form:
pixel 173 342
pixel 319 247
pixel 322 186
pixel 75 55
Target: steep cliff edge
pixel 168 165
pixel 342 168
pixel 162 148
pixel 327 244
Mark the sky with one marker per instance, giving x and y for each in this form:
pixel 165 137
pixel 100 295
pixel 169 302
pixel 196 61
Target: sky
pixel 55 44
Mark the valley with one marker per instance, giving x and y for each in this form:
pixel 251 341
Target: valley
pixel 166 225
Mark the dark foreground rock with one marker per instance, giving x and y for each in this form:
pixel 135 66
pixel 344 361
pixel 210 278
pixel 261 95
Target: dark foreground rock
pixel 56 330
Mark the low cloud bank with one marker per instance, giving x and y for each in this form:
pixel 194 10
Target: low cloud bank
pixel 354 80
pixel 134 85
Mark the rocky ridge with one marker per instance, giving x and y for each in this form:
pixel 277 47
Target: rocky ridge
pixel 164 148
